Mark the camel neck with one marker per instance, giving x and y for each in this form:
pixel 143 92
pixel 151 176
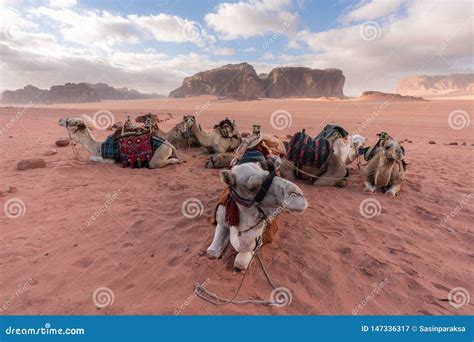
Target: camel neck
pixel 91 144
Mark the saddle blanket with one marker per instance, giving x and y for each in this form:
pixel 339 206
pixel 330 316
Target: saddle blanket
pixel 329 130
pixel 304 150
pixel 110 148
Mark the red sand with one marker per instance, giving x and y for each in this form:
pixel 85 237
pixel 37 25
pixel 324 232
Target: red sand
pixel 150 255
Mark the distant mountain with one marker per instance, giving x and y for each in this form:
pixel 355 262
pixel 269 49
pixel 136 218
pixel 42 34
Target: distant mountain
pixel 436 85
pixel 73 93
pixel 240 81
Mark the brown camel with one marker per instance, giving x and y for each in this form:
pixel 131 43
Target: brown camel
pixel 386 169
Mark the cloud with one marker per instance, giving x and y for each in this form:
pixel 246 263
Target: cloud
pixel 62 3
pixel 104 30
pixel 372 10
pixel 428 37
pixel 223 51
pixel 249 19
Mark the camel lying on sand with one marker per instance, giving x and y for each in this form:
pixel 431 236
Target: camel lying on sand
pixel 386 169
pixel 224 137
pixel 348 150
pixel 79 133
pixel 180 135
pixel 259 197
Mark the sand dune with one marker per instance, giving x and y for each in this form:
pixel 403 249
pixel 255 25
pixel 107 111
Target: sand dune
pixel 149 254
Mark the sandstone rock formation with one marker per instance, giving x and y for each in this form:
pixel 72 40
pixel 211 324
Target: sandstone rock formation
pixel 380 96
pixel 72 93
pixel 304 82
pixel 240 81
pixel 426 85
pixel 232 80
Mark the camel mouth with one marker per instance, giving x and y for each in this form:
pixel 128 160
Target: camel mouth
pixel 297 202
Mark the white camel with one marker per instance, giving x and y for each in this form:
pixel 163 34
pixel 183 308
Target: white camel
pixel 80 134
pixel 348 150
pixel 246 182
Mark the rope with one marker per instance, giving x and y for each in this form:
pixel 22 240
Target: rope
pixel 74 150
pixel 213 298
pixel 321 177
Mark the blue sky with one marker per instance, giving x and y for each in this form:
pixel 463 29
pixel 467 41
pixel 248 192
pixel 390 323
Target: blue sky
pixel 152 45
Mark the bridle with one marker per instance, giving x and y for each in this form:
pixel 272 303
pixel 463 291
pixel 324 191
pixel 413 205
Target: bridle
pixel 262 192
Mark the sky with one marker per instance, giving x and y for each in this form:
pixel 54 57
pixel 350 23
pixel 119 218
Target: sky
pixel 151 45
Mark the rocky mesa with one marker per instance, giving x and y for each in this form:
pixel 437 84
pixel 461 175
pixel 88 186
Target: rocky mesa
pixel 240 81
pixel 72 93
pixel 440 84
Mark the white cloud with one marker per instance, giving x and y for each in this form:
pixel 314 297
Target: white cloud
pixel 429 37
pixel 223 51
pixel 250 49
pixel 62 3
pixel 373 10
pixel 252 18
pixel 104 29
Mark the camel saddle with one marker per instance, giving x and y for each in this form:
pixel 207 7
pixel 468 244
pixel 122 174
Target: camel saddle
pixel 304 150
pixel 132 150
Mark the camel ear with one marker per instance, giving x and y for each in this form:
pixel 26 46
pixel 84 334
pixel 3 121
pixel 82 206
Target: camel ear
pixel 227 177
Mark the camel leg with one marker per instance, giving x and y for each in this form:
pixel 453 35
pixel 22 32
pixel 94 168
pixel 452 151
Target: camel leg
pixel 221 236
pixel 394 189
pixel 369 186
pixel 162 157
pixel 242 260
pixel 335 174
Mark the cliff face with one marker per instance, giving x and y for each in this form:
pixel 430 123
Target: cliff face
pixel 305 82
pixel 72 93
pixel 232 80
pixel 242 82
pixel 424 84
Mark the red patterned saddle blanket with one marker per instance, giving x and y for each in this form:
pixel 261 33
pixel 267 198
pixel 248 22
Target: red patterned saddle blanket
pixel 136 150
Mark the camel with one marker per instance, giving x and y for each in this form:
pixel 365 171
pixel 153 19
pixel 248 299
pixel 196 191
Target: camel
pixel 386 169
pixel 223 160
pixel 249 182
pixel 180 135
pixel 348 150
pixel 79 133
pixel 223 138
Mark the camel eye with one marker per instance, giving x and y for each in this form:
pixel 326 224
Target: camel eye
pixel 253 188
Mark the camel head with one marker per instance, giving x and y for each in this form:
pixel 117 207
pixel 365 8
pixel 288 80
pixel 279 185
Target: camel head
pixel 189 121
pixel 227 128
pixel 73 125
pixel 357 143
pixel 247 181
pixel 393 150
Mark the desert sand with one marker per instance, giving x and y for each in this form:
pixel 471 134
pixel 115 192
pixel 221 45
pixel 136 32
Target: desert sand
pixel 150 255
